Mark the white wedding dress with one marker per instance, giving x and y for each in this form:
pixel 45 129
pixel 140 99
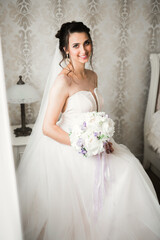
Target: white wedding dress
pixel 65 196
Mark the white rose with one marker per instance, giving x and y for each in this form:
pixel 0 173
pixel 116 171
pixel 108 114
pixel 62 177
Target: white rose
pixel 93 145
pixel 105 126
pixel 108 127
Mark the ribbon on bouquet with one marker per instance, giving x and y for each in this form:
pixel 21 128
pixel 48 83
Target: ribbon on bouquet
pixel 102 176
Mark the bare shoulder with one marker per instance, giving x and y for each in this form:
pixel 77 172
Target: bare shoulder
pixel 60 87
pixel 93 75
pixel 62 81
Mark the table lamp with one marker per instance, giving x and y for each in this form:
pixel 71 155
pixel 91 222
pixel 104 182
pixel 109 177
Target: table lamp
pixel 22 93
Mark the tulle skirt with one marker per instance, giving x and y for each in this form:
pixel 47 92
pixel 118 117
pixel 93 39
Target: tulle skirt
pixel 66 196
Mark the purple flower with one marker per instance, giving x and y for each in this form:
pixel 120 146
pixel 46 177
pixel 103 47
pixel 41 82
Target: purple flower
pixel 95 134
pixel 80 142
pixel 83 151
pixel 84 125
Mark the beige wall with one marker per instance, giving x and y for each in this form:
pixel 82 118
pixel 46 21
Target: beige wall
pixel 124 34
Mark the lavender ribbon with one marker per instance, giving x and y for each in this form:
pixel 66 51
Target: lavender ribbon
pixel 102 175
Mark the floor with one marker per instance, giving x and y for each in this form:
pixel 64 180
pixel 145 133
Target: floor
pixel 156 182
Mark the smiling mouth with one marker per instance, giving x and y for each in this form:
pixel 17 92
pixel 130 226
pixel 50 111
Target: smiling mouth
pixel 84 56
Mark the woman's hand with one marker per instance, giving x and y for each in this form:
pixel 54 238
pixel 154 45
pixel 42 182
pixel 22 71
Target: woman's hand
pixel 108 147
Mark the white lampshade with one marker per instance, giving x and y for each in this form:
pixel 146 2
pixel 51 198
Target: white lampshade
pixel 24 93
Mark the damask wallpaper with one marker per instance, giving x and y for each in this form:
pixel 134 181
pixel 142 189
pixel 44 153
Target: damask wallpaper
pixel 124 33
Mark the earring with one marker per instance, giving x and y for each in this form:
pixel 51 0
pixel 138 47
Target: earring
pixel 67 59
pixel 67 55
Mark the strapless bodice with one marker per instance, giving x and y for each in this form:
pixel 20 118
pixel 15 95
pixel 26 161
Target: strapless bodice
pixel 80 102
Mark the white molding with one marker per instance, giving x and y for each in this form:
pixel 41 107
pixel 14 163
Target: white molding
pixel 10 217
pixel 149 154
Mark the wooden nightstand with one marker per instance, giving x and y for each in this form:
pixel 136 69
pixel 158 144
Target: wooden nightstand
pixel 19 144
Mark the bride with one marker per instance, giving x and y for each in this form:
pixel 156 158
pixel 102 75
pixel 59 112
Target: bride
pixel 64 196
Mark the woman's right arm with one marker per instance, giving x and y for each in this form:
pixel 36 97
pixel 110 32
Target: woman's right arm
pixel 57 98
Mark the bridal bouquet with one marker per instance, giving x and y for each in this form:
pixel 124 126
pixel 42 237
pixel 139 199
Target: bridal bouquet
pixel 89 136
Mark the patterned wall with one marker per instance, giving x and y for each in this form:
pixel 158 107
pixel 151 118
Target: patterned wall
pixel 124 33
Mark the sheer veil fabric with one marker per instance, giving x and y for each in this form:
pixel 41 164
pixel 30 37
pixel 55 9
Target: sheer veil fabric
pixel 37 129
pixel 35 137
pixel 58 187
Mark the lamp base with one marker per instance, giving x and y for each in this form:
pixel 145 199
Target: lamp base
pixel 25 131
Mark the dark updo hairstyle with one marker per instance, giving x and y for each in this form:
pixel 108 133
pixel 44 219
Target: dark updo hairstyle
pixel 63 35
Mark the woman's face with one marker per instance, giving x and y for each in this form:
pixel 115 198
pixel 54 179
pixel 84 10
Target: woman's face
pixel 79 47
